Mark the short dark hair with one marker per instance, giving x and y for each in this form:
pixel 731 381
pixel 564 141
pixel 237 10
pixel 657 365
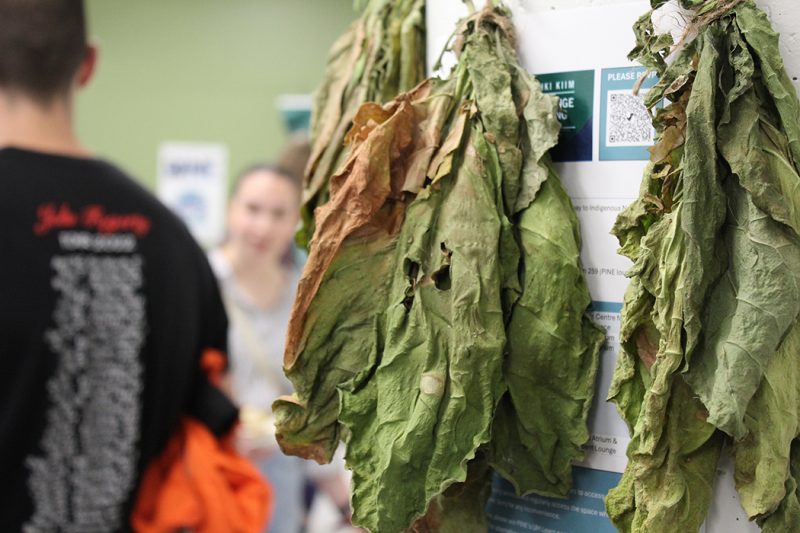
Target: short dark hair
pixel 268 168
pixel 42 44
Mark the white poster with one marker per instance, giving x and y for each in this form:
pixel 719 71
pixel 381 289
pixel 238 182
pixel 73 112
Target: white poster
pixel 192 181
pixel 580 54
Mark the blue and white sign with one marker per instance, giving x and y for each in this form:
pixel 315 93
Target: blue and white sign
pixel 626 126
pixel 582 511
pixel 192 181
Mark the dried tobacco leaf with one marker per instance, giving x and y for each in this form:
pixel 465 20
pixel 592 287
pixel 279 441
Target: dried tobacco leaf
pixel 440 326
pixel 715 283
pixel 379 56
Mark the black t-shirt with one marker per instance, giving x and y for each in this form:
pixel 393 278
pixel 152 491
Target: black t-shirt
pixel 106 305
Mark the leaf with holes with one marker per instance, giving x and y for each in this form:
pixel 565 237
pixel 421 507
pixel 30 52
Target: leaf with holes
pixel 441 318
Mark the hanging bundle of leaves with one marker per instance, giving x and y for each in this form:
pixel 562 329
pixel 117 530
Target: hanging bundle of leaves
pixel 710 336
pixel 440 325
pixel 379 56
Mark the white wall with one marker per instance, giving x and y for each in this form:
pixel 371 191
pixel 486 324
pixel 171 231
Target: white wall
pixel 785 16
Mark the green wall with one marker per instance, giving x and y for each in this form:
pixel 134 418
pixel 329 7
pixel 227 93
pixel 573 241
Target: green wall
pixel 201 70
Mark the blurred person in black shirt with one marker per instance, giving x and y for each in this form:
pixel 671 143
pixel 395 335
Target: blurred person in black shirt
pixel 106 303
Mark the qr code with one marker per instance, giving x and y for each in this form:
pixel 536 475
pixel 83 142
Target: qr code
pixel 628 121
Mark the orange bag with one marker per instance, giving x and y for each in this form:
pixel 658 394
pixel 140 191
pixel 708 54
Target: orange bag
pixel 201 483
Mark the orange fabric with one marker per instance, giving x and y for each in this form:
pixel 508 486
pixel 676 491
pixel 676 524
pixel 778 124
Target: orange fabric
pixel 202 483
pixel 213 364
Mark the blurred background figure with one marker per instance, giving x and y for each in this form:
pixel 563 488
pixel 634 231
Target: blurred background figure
pixel 258 268
pixel 109 317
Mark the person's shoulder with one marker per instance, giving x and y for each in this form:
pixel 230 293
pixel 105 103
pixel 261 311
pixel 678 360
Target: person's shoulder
pixel 132 190
pixel 36 175
pixel 165 223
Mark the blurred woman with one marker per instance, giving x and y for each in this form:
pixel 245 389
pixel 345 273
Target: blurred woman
pixel 258 269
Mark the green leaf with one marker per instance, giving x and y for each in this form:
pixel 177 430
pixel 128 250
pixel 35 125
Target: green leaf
pixel 669 488
pixel 491 80
pixel 460 509
pixel 748 312
pixel 380 55
pixel 440 378
pixel 787 516
pixel 764 470
pixel 444 276
pixel 541 133
pixel 757 31
pixel 553 354
pixel 709 332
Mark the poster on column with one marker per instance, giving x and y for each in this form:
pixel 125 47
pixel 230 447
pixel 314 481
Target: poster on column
pixel 575 91
pixel 579 53
pixel 192 181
